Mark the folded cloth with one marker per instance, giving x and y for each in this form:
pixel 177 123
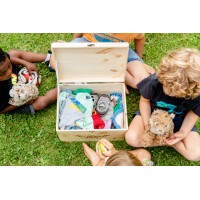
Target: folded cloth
pixel 108 124
pixel 70 115
pixel 80 90
pixel 86 100
pixel 63 97
pixel 117 98
pixel 118 118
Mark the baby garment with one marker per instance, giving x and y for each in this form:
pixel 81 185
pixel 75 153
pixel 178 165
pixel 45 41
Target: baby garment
pixel 86 100
pixel 70 115
pixel 118 116
pixel 62 99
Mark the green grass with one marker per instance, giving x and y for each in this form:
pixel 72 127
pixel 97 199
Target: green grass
pixel 32 140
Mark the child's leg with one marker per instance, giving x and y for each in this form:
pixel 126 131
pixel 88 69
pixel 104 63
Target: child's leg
pixel 28 56
pixel 43 101
pixel 189 147
pixel 136 72
pixel 91 155
pixel 135 131
pixel 52 62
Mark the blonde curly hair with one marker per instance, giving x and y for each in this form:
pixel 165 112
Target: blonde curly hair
pixel 179 72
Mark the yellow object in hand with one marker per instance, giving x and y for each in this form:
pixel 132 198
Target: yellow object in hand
pixel 101 147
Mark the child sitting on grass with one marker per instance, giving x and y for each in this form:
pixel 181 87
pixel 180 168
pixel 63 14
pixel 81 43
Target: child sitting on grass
pixel 175 88
pixel 9 70
pixel 136 69
pixel 111 157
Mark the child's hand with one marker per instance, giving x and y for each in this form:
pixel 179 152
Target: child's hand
pixel 99 150
pixel 29 102
pixel 31 67
pixel 146 126
pixel 110 149
pixel 175 138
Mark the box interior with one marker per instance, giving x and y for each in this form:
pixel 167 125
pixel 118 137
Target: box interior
pixel 98 88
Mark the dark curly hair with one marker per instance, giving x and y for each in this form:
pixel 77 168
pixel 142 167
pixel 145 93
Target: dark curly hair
pixel 3 55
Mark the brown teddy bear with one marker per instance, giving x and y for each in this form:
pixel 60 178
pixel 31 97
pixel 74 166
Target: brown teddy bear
pixel 160 127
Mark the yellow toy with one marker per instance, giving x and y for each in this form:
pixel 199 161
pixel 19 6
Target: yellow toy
pixel 102 148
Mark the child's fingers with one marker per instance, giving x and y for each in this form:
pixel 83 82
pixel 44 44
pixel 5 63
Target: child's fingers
pixel 97 149
pixel 100 154
pixel 172 141
pixel 107 144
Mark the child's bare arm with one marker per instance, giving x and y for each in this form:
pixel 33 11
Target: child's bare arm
pixel 145 110
pixel 29 66
pixel 139 46
pixel 187 125
pixel 189 122
pixel 110 149
pixel 8 109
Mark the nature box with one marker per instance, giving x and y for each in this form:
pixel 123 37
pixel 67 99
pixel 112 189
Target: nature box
pixel 98 66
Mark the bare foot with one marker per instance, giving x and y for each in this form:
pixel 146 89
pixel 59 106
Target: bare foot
pixel 126 89
pixel 91 155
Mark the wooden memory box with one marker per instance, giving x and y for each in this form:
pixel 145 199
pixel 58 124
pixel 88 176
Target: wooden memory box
pixel 98 66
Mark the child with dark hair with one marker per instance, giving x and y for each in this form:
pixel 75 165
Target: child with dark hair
pixel 9 69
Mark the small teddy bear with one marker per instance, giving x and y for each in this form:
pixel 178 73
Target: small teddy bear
pixel 21 93
pixel 161 127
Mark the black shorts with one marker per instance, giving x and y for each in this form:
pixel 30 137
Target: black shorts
pixel 27 109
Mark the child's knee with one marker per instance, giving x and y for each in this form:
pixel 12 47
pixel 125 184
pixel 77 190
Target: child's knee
pixel 132 138
pixel 193 155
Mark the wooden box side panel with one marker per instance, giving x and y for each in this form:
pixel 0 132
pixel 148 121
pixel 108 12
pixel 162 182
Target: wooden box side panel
pixel 78 136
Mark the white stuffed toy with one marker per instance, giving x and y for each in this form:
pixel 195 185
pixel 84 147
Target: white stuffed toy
pixel 22 93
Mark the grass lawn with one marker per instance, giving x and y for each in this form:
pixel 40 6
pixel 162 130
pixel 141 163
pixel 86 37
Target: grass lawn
pixel 31 140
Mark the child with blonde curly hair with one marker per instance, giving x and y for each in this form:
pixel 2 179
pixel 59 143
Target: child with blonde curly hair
pixel 176 88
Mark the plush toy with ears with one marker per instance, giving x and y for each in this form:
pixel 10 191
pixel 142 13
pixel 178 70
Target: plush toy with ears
pixel 161 127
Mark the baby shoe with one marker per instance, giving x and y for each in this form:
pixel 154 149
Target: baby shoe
pixel 95 98
pixel 103 104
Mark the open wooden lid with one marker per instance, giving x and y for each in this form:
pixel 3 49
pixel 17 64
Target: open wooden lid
pixel 90 62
